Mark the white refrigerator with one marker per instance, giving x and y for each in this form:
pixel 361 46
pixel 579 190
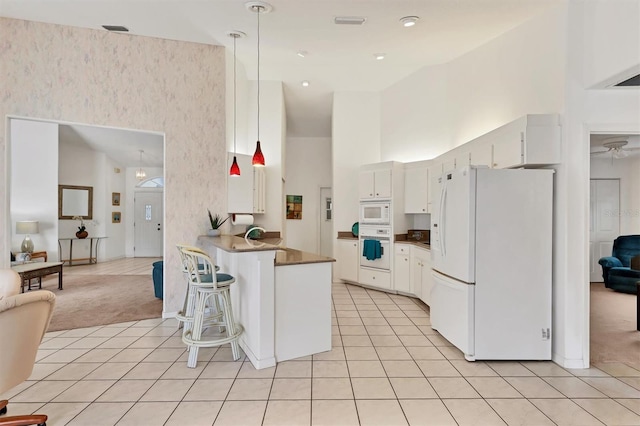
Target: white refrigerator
pixel 491 248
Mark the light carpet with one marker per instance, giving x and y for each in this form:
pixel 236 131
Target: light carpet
pixel 613 326
pixel 90 300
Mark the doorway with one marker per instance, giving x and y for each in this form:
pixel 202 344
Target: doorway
pixel 326 222
pixel 148 224
pixel 604 222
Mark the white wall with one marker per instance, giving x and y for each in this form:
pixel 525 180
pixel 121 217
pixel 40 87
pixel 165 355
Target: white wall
pixel 415 117
pixel 34 183
pixel 309 168
pixel 611 41
pixel 628 171
pixel 355 141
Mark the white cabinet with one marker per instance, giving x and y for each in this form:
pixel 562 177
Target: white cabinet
pixel 259 199
pixel 481 155
pixel 532 140
pixel 421 273
pixel 375 278
pixel 374 184
pixel 348 259
pixel 245 193
pixel 402 268
pixel 463 159
pixel 416 190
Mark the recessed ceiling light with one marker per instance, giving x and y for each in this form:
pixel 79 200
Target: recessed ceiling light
pixel 115 28
pixel 302 53
pixel 379 56
pixel 409 21
pixel 305 83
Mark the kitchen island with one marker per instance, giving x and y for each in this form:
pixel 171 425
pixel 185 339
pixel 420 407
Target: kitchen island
pixel 282 297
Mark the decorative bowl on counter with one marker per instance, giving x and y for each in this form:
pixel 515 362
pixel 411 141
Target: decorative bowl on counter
pixel 355 229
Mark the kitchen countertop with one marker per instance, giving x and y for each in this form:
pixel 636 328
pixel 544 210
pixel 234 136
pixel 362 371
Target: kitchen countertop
pixel 420 244
pixel 287 256
pixel 346 235
pixel 284 256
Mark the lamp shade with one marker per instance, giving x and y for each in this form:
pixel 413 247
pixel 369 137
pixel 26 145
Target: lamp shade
pixel 27 227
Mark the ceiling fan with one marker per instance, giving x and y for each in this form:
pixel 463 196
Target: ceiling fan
pixel 616 147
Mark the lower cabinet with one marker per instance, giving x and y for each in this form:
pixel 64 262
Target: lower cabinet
pixel 375 278
pixel 402 269
pixel 421 273
pixel 347 260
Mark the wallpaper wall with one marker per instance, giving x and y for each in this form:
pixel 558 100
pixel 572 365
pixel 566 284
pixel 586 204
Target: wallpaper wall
pixel 78 75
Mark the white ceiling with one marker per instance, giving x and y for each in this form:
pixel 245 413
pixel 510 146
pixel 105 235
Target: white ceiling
pixel 340 58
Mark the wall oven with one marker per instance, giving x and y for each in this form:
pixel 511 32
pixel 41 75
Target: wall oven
pixel 381 234
pixel 375 213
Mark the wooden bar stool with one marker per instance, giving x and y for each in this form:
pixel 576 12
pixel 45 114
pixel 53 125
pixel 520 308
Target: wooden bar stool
pixel 212 290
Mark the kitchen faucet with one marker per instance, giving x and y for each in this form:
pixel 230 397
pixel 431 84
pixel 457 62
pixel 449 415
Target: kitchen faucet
pixel 246 235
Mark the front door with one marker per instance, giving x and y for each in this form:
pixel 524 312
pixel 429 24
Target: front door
pixel 604 222
pixel 148 224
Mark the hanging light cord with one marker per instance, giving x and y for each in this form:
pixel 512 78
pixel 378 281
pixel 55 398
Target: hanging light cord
pixel 235 36
pixel 258 8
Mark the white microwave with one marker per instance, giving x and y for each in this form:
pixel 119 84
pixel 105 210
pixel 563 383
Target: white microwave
pixel 375 213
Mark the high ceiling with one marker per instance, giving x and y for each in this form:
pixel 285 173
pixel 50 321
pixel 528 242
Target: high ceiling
pixel 339 57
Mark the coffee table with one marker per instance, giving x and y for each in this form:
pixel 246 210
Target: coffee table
pixel 29 271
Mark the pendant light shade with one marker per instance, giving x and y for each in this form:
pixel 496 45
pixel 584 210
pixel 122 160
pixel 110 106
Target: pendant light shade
pixel 235 169
pixel 258 158
pixel 258 7
pixel 140 173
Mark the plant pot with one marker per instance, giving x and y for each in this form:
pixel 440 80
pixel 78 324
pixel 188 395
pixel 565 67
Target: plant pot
pixel 82 234
pixel 213 232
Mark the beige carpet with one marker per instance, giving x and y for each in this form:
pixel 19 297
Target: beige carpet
pixel 90 300
pixel 613 326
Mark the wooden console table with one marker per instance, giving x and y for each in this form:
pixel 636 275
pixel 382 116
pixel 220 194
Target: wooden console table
pixel 93 254
pixel 29 271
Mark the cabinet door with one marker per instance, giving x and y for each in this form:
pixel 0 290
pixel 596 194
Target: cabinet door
pixel 366 185
pixel 382 183
pixel 416 273
pixel 481 155
pixel 347 260
pixel 449 165
pixel 427 280
pixel 402 274
pixel 416 190
pixel 258 190
pixel 463 159
pixel 508 151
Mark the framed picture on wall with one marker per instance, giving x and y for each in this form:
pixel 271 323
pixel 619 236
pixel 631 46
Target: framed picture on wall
pixel 115 198
pixel 116 217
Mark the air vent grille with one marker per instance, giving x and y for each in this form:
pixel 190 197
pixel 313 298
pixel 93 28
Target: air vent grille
pixel 631 82
pixel 119 28
pixel 349 20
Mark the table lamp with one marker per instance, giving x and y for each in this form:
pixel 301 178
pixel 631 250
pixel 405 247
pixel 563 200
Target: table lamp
pixel 27 227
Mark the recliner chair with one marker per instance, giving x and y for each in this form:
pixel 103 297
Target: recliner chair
pixel 616 269
pixel 24 318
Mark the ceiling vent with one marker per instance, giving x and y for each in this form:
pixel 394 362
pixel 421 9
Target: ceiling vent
pixel 118 28
pixel 349 20
pixel 631 82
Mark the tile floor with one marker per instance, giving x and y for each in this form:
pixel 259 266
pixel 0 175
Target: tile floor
pixel 387 367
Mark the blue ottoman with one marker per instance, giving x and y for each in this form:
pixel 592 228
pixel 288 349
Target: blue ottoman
pixel 157 278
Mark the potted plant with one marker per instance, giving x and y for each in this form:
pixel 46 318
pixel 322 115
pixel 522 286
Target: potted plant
pixel 82 229
pixel 216 222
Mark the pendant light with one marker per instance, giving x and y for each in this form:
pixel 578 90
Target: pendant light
pixel 140 174
pixel 235 169
pixel 258 7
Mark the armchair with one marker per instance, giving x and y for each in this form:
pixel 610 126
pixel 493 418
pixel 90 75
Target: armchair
pixel 24 318
pixel 616 269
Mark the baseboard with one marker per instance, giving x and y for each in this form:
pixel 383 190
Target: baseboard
pixel 169 314
pixel 568 363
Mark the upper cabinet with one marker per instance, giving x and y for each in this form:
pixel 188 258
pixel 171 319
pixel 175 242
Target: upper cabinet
pixel 245 193
pixel 532 140
pixel 374 184
pixel 416 190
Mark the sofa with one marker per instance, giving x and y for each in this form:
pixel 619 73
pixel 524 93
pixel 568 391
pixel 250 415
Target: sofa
pixel 616 269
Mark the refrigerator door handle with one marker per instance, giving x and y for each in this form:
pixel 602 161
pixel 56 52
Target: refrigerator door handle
pixel 443 200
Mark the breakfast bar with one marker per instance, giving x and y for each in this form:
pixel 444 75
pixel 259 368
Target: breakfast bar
pixel 282 297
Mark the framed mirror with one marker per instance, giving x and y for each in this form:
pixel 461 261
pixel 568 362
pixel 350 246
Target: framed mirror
pixel 75 201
